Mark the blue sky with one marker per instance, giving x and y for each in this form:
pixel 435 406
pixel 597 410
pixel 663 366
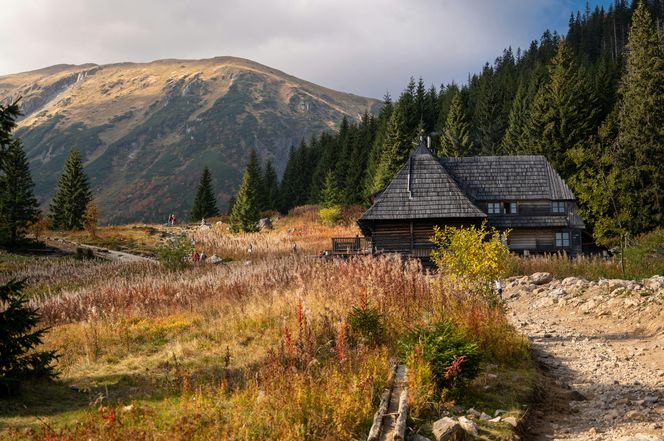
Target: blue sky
pixel 366 47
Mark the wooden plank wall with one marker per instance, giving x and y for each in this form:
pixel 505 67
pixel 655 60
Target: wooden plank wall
pixel 529 239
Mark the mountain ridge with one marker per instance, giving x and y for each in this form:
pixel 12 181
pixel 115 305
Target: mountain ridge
pixel 146 130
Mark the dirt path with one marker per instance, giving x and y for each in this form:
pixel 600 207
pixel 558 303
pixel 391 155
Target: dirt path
pixel 601 349
pixel 102 253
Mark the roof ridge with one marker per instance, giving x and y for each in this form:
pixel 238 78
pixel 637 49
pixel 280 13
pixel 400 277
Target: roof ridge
pixel 422 187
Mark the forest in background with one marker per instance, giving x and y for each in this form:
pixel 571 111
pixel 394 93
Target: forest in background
pixel 587 101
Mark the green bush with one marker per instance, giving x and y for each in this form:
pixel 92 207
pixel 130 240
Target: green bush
pixel 174 254
pixel 367 324
pixel 452 357
pixel 331 215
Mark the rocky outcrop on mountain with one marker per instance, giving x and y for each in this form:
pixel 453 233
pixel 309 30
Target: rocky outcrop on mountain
pixel 146 130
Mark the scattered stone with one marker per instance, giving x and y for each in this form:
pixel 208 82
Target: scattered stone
pixel 213 259
pixel 468 426
pixel 472 413
pixel 495 420
pixel 128 408
pixel 511 421
pixel 203 227
pixel 541 278
pixel 447 429
pixel 575 395
pixel 265 224
pixel 485 417
pixel 558 293
pixel 649 400
pixel 543 302
pixel 500 412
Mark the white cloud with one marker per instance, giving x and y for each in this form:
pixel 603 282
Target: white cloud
pixel 364 47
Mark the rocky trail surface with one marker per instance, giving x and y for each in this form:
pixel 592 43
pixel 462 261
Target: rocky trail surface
pixel 601 349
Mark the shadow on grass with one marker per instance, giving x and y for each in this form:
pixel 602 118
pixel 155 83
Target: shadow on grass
pixel 65 399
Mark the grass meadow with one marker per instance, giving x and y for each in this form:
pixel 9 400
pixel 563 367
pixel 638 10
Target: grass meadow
pixel 272 346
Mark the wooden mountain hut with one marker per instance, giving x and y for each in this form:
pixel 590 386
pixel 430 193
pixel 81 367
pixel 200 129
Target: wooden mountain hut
pixel 520 193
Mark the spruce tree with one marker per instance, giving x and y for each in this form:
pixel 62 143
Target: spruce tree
pixel 377 145
pixel 205 204
pixel 640 155
pixel 18 340
pixel 72 195
pixel 19 206
pixel 395 151
pixel 246 208
pixel 513 141
pixel 563 112
pixel 271 187
pixel 330 195
pixel 455 140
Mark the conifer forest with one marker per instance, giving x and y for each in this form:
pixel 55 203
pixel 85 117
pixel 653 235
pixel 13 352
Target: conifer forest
pixel 591 101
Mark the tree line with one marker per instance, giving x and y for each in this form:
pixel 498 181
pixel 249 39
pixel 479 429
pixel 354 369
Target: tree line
pixel 591 102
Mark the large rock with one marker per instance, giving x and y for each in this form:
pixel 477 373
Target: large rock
pixel 213 259
pixel 468 426
pixel 265 224
pixel 654 283
pixel 541 278
pixel 447 429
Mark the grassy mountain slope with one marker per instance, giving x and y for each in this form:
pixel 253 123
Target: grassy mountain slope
pixel 146 130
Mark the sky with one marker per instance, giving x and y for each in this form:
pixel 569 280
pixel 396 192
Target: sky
pixel 366 47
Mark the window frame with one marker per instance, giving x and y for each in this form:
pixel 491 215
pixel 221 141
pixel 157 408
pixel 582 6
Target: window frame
pixel 558 207
pixel 562 239
pixel 494 208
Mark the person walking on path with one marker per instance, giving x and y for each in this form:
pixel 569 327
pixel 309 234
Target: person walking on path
pixel 499 288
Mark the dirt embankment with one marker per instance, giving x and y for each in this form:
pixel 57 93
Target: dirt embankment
pixel 601 349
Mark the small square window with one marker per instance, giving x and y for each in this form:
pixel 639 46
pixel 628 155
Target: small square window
pixel 513 209
pixel 494 208
pixel 562 239
pixel 558 207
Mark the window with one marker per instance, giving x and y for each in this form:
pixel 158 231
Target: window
pixel 558 207
pixel 513 209
pixel 494 208
pixel 562 239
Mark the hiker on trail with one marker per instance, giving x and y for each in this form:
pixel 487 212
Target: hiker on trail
pixel 202 221
pixel 203 256
pixel 294 248
pixel 499 288
pixel 250 249
pixel 195 257
pixel 173 218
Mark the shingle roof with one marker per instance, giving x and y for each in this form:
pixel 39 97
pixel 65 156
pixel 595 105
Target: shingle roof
pixel 422 189
pixel 495 178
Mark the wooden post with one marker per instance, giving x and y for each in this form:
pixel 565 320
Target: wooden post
pixel 400 426
pixel 374 433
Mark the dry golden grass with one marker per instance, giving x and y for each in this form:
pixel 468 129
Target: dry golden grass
pixel 301 228
pixel 258 350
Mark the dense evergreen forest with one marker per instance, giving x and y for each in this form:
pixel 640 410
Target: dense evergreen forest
pixel 588 101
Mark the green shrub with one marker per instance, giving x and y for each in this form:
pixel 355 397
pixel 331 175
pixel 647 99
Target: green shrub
pixel 331 215
pixel 471 258
pixel 367 324
pixel 174 254
pixel 452 357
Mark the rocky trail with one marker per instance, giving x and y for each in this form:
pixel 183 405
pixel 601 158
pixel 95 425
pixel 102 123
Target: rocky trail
pixel 600 346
